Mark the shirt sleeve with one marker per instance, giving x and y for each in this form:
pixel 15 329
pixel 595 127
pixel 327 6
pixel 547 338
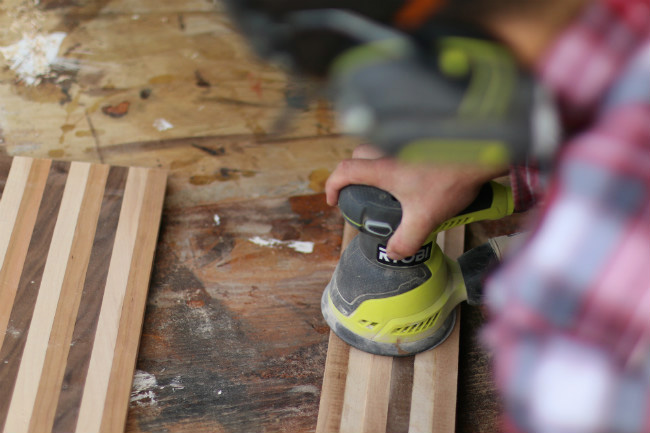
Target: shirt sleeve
pixel 570 330
pixel 525 184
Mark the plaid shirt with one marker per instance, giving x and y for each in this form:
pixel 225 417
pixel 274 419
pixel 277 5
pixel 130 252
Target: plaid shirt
pixel 570 327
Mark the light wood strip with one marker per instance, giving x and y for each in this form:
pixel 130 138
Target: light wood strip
pixel 69 300
pixel 128 338
pixel 10 201
pixel 33 358
pixel 85 327
pixel 21 273
pixel 435 373
pixel 333 389
pixel 336 368
pixel 435 384
pixel 101 360
pixel 11 205
pixel 367 390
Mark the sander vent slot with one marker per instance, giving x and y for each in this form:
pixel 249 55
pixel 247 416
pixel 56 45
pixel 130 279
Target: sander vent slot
pixel 368 324
pixel 416 327
pixel 454 222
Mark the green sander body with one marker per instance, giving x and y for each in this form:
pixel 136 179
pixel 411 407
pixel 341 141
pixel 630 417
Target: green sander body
pixel 403 307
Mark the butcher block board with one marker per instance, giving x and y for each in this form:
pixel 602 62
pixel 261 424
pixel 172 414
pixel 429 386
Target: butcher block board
pixel 365 393
pixel 77 243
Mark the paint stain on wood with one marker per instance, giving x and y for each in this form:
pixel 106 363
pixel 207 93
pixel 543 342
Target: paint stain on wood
pixel 162 79
pixel 116 111
pixel 145 93
pixel 200 81
pixel 89 133
pixel 55 153
pixel 317 179
pixel 224 174
pixel 202 179
pixel 196 303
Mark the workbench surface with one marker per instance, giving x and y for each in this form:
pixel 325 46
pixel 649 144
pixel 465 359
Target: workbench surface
pixel 233 338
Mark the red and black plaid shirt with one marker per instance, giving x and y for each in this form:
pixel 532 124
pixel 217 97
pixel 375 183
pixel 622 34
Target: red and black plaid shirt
pixel 571 309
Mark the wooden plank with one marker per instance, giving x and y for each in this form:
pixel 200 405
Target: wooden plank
pixel 55 211
pixel 36 344
pixel 49 389
pixel 435 380
pixel 393 395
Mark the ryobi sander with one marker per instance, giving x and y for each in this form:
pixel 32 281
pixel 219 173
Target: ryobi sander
pixel 440 93
pixel 403 307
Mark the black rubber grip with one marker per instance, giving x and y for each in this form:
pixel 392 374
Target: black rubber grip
pixel 377 212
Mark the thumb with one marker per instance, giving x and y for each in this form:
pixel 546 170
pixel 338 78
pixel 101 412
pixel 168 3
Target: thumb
pixel 410 235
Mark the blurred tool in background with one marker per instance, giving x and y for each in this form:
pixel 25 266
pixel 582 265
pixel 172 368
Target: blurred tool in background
pixel 441 92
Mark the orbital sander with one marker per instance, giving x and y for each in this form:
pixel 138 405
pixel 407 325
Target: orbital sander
pixel 403 307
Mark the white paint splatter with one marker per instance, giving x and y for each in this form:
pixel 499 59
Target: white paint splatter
pixel 265 242
pixel 217 219
pixel 305 389
pixel 176 383
pixel 13 332
pixel 32 57
pixel 162 124
pixel 300 246
pixel 203 324
pixel 142 391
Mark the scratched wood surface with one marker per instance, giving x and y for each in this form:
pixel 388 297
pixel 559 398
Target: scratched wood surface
pixel 76 248
pixel 234 340
pixel 165 83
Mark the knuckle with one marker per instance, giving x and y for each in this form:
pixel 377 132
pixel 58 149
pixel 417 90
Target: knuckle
pixel 403 248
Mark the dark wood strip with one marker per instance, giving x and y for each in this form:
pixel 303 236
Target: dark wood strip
pixel 401 386
pixel 67 308
pixel 30 280
pixel 5 165
pixel 74 379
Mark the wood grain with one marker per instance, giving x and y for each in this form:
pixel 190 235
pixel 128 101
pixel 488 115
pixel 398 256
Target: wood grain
pixel 76 367
pixel 54 211
pixel 369 393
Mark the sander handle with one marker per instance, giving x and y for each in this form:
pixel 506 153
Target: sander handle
pixel 375 212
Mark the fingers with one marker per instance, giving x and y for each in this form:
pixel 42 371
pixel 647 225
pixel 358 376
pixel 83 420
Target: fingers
pixel 410 235
pixel 355 171
pixel 367 151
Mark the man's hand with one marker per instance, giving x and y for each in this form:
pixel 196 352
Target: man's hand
pixel 429 194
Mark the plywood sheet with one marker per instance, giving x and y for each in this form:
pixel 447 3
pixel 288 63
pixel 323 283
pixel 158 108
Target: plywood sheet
pixel 376 394
pixel 76 247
